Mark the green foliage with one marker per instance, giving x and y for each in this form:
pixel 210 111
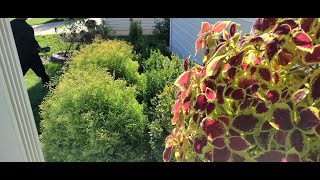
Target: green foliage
pixel 255 98
pixel 114 55
pixel 35 88
pixel 135 32
pixel 162 31
pixel 92 117
pixel 161 116
pixel 54 42
pixel 160 71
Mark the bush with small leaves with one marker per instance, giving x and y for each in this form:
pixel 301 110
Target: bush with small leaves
pixel 92 117
pixel 161 116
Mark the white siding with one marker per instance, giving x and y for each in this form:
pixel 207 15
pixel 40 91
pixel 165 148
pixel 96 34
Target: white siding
pixel 19 139
pixel 122 25
pixel 184 31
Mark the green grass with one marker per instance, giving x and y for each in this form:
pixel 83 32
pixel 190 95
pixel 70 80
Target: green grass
pixel 36 91
pixel 54 42
pixel 36 21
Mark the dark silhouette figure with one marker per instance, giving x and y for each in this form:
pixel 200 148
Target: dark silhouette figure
pixel 28 49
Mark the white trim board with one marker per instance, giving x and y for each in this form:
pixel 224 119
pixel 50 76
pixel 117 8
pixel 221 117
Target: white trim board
pixel 19 139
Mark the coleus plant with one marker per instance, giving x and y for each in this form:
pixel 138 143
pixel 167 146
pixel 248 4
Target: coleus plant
pixel 255 98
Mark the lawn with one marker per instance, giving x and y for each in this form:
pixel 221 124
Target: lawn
pixel 53 42
pixel 36 21
pixel 36 91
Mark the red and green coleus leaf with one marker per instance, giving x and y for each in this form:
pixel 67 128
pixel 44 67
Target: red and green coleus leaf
pixel 186 103
pixel 282 116
pixel 263 139
pixel 210 108
pixel 261 108
pixel 282 29
pixel 208 83
pixel 306 23
pixel 210 94
pixel 313 57
pixel 280 137
pixel 284 57
pixel 293 156
pixel 275 77
pixel 237 59
pixel 170 142
pixel 184 80
pixel 302 41
pixel 246 103
pixel 238 94
pixel 214 65
pixel 231 73
pixel 314 96
pixel 221 155
pixel 245 82
pixel 265 74
pixel 219 142
pixel 272 48
pixel 299 95
pixel 213 128
pixel 220 97
pixel 309 118
pixel 176 107
pixel 270 156
pixel 262 24
pixel 200 40
pixel 201 102
pixel 199 143
pixel 273 96
pixel 293 24
pixel 167 154
pixel 233 27
pixel 186 63
pixel 299 141
pixel 237 143
pixel 245 122
pixel 220 26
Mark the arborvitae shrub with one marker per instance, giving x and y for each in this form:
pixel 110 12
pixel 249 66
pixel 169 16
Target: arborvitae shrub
pixel 256 98
pixel 92 117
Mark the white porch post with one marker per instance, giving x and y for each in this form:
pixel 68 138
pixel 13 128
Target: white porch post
pixel 19 140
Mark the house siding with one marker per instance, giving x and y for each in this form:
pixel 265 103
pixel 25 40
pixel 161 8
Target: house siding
pixel 122 25
pixel 183 33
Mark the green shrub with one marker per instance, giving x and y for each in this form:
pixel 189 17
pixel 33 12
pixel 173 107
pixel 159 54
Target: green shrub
pixel 160 71
pixel 161 116
pixel 114 55
pixel 135 32
pixel 162 31
pixel 92 117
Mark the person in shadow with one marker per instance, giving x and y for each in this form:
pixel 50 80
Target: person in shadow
pixel 28 49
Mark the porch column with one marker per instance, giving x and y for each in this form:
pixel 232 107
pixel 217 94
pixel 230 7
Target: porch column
pixel 19 140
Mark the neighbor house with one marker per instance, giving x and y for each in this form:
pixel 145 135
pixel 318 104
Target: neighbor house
pixel 184 31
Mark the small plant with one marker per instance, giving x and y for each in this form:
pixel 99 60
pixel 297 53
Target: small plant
pixel 161 116
pixel 70 33
pixel 255 98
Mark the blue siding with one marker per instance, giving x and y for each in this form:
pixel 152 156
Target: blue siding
pixel 183 33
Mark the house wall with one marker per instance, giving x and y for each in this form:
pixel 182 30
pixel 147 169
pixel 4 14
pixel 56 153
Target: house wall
pixel 19 140
pixel 184 31
pixel 122 25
